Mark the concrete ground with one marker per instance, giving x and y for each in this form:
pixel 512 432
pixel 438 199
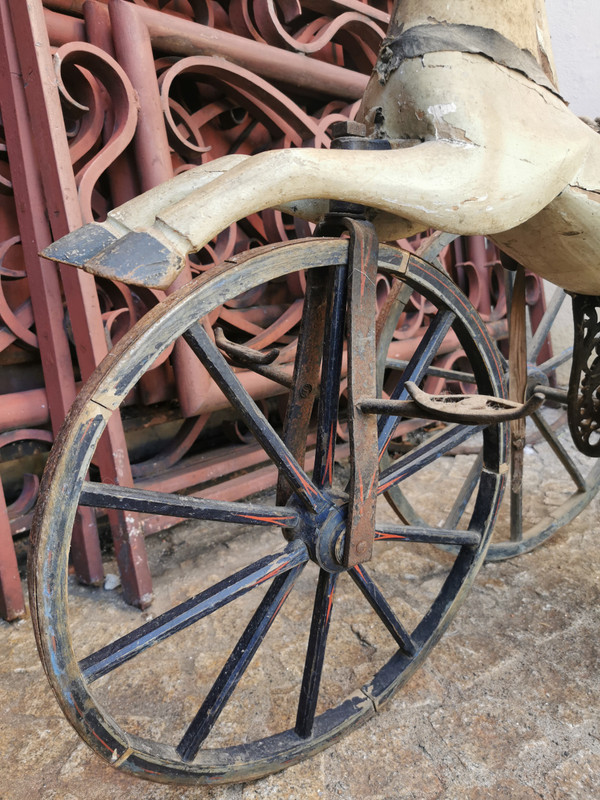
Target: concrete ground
pixel 506 706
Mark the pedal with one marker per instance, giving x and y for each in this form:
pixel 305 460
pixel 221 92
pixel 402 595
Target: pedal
pixel 474 409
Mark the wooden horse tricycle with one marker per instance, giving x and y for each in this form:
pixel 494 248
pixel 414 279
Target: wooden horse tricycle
pixel 461 129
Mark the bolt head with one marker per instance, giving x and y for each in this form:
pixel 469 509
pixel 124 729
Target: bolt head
pixel 347 127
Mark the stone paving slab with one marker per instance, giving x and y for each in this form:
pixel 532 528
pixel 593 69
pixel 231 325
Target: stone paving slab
pixel 506 706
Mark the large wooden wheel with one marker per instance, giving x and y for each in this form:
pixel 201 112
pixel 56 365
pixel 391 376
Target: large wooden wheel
pixel 308 531
pixel 540 448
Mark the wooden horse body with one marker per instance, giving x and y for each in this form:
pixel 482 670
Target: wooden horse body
pixel 482 143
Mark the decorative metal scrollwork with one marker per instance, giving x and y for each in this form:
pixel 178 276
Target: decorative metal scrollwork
pixel 584 384
pixel 107 121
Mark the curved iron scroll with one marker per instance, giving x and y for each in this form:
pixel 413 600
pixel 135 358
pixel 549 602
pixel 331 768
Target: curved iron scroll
pixel 584 384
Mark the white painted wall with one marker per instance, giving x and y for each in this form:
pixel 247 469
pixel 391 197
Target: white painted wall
pixel 575 31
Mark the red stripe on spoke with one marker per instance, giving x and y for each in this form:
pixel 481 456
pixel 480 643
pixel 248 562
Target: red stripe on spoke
pixel 273 520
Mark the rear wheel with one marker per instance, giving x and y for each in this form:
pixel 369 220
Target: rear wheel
pixel 541 450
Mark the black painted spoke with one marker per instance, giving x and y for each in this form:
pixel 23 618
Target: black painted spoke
pixel 465 493
pixel 236 664
pixel 415 371
pixel 232 388
pixel 424 454
pixel 315 654
pixel 185 614
pixel 423 533
pixel 329 397
pixel 425 352
pixel 103 495
pixel 559 451
pixel 379 604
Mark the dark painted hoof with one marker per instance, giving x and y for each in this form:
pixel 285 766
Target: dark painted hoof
pixel 138 258
pixel 79 246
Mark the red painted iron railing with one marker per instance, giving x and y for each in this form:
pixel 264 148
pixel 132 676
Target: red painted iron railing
pixel 104 100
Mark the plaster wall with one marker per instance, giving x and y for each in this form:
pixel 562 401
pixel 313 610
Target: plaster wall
pixel 575 30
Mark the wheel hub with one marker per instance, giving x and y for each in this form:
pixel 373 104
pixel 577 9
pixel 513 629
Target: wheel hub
pixel 323 534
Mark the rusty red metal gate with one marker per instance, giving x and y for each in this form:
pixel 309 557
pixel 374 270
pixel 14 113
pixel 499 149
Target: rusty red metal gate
pixel 101 101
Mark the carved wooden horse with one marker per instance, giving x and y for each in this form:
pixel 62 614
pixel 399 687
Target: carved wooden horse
pixel 482 144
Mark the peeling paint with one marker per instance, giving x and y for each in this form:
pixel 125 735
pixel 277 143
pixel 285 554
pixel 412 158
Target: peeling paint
pixel 442 128
pixel 438 111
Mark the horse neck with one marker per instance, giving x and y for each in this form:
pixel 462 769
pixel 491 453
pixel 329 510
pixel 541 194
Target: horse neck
pixel 523 22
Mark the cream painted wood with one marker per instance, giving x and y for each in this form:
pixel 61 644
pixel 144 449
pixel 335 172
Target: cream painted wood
pixel 140 212
pixel 497 150
pixel 499 155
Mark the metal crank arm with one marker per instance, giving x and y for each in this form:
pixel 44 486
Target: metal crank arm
pixel 240 356
pixel 463 408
